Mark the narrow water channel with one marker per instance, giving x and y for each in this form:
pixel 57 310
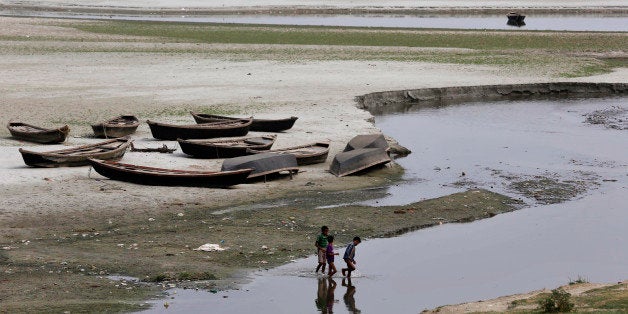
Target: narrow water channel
pixel 541 246
pixel 557 22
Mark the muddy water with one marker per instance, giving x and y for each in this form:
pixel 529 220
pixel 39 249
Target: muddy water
pixel 571 22
pixel 541 246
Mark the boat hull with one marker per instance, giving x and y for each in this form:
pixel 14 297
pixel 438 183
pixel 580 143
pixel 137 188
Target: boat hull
pixel 65 158
pixel 258 125
pixel 357 160
pixel 168 177
pixel 262 164
pixel 117 127
pixel 367 141
pixel 218 149
pixel 172 132
pixel 37 134
pixel 315 153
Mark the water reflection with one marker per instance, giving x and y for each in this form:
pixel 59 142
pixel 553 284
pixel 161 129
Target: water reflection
pixel 349 296
pixel 325 295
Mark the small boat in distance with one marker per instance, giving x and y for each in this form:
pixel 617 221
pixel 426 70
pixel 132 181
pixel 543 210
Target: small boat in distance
pixel 31 133
pixel 259 125
pixel 263 164
pixel 306 154
pixel 225 128
pixel 112 149
pixel 356 160
pixel 226 148
pixel 119 126
pixel 515 19
pixel 167 177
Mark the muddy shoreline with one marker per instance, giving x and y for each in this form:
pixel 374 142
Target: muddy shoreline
pixel 402 100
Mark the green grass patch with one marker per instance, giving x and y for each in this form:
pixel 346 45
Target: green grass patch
pixel 348 36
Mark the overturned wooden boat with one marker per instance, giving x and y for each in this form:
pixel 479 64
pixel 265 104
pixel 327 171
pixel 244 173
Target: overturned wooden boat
pixel 260 125
pixel 367 141
pixel 119 126
pixel 263 164
pixel 167 177
pixel 356 160
pixel 226 148
pixel 308 154
pixel 224 128
pixel 37 134
pixel 77 156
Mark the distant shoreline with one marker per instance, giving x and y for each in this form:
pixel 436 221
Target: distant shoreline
pixel 311 10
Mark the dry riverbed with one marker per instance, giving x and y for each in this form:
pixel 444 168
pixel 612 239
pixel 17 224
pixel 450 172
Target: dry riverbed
pixel 63 231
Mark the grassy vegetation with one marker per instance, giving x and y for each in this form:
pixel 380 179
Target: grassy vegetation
pixel 70 255
pixel 559 54
pixel 346 36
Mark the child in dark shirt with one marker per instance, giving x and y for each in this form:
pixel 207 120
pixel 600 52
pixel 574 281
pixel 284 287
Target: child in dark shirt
pixel 349 257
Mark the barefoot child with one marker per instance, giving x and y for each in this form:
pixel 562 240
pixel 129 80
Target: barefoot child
pixel 330 256
pixel 321 247
pixel 349 257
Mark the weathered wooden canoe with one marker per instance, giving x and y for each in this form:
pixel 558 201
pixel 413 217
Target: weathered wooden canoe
pixel 262 164
pixel 346 163
pixel 225 128
pixel 260 125
pixel 119 126
pixel 77 156
pixel 367 141
pixel 168 177
pixel 226 148
pixel 306 154
pixel 37 134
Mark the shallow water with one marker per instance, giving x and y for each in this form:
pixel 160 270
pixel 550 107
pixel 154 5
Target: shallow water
pixel 572 22
pixel 542 246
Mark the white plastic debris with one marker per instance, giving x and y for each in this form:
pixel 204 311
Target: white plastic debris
pixel 210 247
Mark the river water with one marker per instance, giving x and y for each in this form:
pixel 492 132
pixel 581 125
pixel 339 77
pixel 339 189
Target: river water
pixel 571 22
pixel 540 246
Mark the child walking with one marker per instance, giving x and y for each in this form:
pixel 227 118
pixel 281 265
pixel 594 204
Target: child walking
pixel 349 257
pixel 321 247
pixel 330 256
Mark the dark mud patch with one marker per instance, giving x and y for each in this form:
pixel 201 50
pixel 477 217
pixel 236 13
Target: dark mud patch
pixel 615 117
pixel 547 190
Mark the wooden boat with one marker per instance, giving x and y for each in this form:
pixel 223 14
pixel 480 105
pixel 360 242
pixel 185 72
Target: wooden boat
pixel 168 177
pixel 37 134
pixel 262 164
pixel 260 125
pixel 367 141
pixel 306 154
pixel 226 148
pixel 515 17
pixel 77 156
pixel 119 126
pixel 225 128
pixel 346 163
